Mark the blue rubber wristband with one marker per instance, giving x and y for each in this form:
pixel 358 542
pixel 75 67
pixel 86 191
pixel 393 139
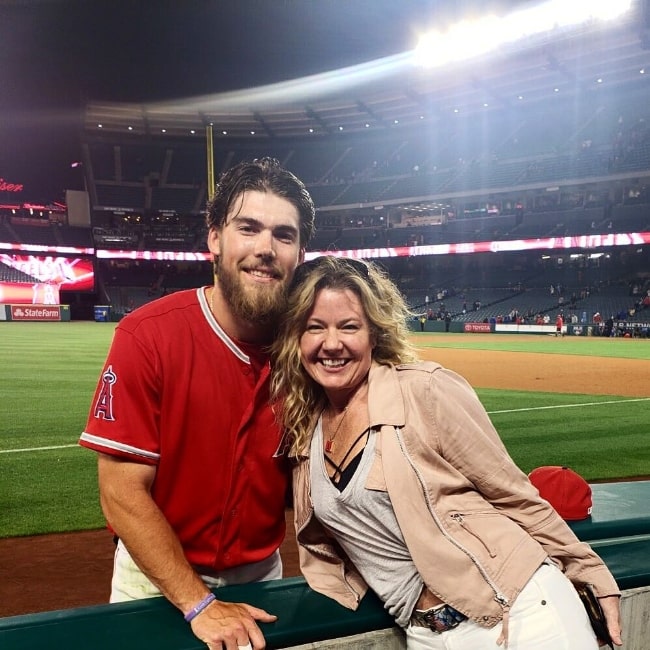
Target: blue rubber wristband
pixel 197 609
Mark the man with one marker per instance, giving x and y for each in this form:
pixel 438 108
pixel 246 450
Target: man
pixel 190 481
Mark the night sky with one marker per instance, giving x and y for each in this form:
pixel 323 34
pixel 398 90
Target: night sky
pixel 55 55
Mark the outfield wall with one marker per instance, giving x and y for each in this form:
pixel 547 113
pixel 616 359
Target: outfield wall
pixel 639 329
pixel 483 328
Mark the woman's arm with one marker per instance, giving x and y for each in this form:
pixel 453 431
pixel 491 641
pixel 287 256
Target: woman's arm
pixel 468 440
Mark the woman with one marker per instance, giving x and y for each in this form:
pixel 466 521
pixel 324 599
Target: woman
pixel 401 482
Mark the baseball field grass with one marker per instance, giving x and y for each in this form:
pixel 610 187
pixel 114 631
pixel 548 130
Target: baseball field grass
pixel 48 373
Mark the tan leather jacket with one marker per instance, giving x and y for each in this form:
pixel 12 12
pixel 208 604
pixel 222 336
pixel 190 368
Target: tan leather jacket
pixel 476 527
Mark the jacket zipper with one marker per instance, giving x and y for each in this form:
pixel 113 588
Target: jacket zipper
pixel 498 595
pixel 460 519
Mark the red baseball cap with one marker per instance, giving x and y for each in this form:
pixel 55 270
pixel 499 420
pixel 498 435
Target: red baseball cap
pixel 565 490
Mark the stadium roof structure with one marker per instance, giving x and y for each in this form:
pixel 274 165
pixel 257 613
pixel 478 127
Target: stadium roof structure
pixel 392 92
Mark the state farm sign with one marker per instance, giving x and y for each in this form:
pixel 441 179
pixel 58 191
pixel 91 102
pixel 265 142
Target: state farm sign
pixel 26 312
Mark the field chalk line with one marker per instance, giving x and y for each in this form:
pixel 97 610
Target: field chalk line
pixel 531 408
pixel 570 406
pixel 20 451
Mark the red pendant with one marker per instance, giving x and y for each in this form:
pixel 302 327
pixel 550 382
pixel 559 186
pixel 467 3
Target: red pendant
pixel 328 446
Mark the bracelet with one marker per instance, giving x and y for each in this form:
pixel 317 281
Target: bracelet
pixel 197 609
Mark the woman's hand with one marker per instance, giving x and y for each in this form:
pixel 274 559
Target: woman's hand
pixel 612 609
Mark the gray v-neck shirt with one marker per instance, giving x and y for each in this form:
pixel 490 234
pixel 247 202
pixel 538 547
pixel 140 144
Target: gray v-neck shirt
pixel 364 524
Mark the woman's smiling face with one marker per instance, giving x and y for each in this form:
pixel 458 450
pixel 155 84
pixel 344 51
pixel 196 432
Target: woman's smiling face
pixel 336 346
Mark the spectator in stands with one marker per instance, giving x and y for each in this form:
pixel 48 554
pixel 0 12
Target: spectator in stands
pixel 190 481
pixel 402 484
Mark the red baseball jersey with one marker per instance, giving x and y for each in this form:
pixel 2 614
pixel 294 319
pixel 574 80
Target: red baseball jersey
pixel 178 393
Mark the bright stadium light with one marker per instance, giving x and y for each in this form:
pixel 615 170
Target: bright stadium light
pixel 463 41
pixel 467 40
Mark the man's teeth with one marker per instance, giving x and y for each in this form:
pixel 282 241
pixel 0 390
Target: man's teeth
pixel 261 274
pixel 333 362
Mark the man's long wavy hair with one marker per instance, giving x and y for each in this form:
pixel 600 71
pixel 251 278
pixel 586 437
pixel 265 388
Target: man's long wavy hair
pixel 298 400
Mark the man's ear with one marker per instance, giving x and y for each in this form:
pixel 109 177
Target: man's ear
pixel 214 241
pixel 301 256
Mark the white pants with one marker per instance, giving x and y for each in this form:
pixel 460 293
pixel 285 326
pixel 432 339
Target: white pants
pixel 129 583
pixel 547 615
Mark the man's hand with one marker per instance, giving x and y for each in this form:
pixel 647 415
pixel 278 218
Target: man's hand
pixel 230 626
pixel 612 609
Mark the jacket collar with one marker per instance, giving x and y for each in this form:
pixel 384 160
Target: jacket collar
pixel 385 403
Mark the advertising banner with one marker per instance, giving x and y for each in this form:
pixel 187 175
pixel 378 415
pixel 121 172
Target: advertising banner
pixel 478 327
pixel 35 312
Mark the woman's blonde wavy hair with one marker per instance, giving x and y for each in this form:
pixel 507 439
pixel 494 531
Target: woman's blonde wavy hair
pixel 297 399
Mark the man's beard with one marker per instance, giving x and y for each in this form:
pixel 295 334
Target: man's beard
pixel 261 305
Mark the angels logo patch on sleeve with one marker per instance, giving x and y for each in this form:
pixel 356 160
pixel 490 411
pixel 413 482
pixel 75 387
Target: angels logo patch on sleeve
pixel 103 409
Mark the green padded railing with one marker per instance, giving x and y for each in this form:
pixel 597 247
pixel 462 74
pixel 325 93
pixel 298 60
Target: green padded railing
pixel 619 530
pixel 627 559
pixel 619 510
pixel 304 616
